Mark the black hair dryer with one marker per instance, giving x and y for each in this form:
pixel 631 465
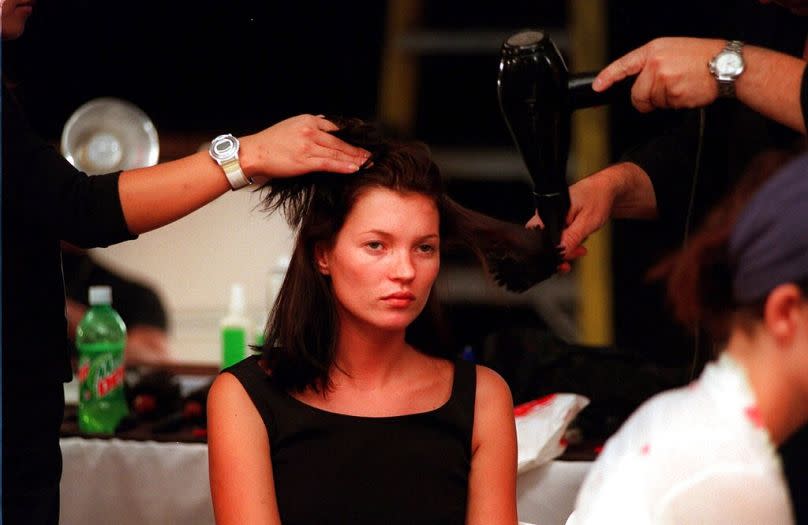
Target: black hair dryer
pixel 537 96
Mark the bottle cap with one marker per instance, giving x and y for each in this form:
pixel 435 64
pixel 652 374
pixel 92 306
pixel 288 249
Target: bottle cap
pixel 281 264
pixel 238 302
pixel 100 295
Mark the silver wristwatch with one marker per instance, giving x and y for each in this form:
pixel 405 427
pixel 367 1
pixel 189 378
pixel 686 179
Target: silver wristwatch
pixel 224 150
pixel 727 66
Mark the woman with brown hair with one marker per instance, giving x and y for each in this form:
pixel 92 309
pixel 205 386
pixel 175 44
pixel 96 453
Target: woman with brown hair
pixel 706 453
pixel 357 412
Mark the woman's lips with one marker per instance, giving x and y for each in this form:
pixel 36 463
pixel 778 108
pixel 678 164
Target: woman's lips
pixel 399 299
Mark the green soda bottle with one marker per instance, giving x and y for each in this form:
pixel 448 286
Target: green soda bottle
pixel 101 339
pixel 235 327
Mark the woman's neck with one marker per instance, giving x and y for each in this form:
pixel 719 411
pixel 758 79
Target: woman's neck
pixel 368 357
pixel 778 400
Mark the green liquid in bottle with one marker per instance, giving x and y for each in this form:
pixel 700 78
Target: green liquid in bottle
pixel 100 340
pixel 234 345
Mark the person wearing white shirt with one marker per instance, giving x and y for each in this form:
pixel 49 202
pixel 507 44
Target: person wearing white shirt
pixel 706 453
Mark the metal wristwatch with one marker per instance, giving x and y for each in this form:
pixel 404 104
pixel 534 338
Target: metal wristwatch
pixel 727 66
pixel 224 150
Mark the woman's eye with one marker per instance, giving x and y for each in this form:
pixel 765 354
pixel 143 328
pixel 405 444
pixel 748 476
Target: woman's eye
pixel 374 245
pixel 426 248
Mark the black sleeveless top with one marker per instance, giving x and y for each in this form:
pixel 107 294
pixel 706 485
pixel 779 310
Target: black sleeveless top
pixel 334 468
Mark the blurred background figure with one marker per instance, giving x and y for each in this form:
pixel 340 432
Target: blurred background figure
pixel 138 304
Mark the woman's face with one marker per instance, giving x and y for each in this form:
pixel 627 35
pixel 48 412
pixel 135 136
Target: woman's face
pixel 384 259
pixel 13 14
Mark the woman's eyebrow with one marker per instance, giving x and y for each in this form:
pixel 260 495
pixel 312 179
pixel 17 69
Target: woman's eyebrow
pixel 429 236
pixel 376 232
pixel 388 234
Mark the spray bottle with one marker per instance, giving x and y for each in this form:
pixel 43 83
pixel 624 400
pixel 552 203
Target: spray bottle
pixel 275 277
pixel 234 328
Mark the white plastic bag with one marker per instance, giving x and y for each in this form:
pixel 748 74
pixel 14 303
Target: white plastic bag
pixel 540 428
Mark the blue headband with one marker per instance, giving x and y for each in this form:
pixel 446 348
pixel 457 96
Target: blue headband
pixel 768 245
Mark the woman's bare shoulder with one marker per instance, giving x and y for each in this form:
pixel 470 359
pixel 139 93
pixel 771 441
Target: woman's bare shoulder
pixel 227 390
pixel 491 387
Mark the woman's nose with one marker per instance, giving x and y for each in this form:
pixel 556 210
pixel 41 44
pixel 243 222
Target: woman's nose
pixel 403 268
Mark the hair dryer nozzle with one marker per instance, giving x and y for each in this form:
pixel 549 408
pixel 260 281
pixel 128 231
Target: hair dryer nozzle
pixel 524 42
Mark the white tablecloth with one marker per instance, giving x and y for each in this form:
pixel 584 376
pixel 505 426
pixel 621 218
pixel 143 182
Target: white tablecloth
pixel 131 482
pixel 546 495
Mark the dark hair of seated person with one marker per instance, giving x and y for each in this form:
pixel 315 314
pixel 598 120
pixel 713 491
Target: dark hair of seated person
pixel 301 333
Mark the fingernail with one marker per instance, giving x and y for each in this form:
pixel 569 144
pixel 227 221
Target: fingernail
pixel 353 167
pixel 597 84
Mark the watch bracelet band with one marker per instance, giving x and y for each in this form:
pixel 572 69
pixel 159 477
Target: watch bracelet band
pixel 235 176
pixel 726 88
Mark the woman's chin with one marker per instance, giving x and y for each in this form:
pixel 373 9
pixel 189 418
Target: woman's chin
pixel 393 322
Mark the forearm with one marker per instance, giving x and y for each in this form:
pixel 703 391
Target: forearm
pixel 669 162
pixel 155 196
pixel 147 345
pixel 673 72
pixel 770 85
pixel 634 196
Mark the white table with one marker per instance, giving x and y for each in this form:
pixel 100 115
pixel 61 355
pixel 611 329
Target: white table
pixel 133 482
pixel 546 495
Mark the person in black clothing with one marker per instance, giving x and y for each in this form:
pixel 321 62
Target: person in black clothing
pixel 674 73
pixel 357 412
pixel 46 200
pixel 139 305
pixel 679 176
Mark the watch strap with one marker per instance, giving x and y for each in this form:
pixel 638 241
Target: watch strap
pixel 726 88
pixel 734 45
pixel 235 176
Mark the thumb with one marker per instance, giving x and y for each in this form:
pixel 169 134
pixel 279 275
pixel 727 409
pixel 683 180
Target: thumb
pixel 572 237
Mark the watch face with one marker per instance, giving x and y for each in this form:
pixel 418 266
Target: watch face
pixel 224 147
pixel 729 64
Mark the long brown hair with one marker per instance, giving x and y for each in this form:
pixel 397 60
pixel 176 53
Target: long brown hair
pixel 303 328
pixel 700 275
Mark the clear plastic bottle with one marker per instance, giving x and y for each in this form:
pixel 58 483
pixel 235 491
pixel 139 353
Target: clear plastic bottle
pixel 234 328
pixel 275 278
pixel 100 340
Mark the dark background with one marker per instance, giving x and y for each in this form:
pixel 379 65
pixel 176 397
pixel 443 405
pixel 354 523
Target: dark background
pixel 202 65
pixel 202 68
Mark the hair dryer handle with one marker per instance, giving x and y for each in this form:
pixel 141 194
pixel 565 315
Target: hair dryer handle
pixel 552 209
pixel 583 96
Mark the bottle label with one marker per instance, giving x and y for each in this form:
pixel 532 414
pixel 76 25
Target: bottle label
pixel 100 373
